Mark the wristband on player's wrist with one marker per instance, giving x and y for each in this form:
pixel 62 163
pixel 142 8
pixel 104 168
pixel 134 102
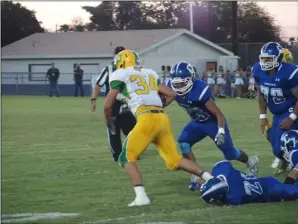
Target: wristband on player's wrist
pixel 221 130
pixel 263 116
pixel 93 99
pixel 293 116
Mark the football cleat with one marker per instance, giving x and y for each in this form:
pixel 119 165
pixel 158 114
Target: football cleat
pixel 275 163
pixel 252 165
pixel 283 166
pixel 140 201
pixel 194 185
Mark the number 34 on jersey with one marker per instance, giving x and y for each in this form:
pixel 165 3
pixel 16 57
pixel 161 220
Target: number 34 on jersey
pixel 144 85
pixel 137 87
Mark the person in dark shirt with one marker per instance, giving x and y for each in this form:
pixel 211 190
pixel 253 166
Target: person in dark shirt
pixel 78 79
pixel 124 119
pixel 53 74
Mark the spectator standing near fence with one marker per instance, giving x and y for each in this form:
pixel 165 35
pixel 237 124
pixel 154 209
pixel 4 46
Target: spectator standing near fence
pixel 78 75
pixel 53 74
pixel 221 82
pixel 238 83
pixel 168 72
pixel 210 74
pixel 163 74
pixel 231 77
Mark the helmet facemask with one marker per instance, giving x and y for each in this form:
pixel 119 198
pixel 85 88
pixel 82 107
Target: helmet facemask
pixel 181 86
pixel 287 145
pixel 268 62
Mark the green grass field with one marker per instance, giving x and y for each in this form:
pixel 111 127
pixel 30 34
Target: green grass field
pixel 55 158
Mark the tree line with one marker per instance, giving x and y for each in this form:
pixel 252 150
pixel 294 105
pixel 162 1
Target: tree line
pixel 212 20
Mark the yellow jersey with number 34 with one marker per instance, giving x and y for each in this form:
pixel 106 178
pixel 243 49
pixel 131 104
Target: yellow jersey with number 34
pixel 138 87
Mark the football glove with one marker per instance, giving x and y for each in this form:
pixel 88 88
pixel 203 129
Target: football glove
pixel 220 137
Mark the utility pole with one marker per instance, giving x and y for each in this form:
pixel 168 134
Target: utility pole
pixel 234 28
pixel 191 16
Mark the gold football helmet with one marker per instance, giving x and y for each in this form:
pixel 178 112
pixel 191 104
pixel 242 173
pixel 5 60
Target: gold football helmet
pixel 126 58
pixel 288 57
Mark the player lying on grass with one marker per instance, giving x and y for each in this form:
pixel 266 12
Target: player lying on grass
pixel 278 90
pixel 140 88
pixel 195 97
pixel 289 145
pixel 233 187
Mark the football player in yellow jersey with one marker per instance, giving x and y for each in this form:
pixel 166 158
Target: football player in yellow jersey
pixel 288 57
pixel 140 89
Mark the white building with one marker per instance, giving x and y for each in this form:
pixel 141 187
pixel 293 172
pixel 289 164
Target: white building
pixel 93 50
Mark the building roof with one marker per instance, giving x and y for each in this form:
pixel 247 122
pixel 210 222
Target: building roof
pixel 93 44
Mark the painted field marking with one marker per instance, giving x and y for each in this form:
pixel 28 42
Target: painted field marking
pixel 173 213
pixel 26 217
pixel 160 223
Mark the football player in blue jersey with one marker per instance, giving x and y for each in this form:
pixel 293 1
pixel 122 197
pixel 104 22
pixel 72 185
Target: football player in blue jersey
pixel 289 145
pixel 195 97
pixel 233 187
pixel 277 82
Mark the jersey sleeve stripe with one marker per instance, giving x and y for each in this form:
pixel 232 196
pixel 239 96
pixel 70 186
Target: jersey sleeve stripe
pixel 293 73
pixel 203 92
pixel 102 77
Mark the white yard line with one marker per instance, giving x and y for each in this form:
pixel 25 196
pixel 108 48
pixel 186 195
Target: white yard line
pixel 173 213
pixel 26 217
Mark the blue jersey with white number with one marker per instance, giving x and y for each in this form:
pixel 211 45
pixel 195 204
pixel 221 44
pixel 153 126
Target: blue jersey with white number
pixel 243 189
pixel 194 101
pixel 276 89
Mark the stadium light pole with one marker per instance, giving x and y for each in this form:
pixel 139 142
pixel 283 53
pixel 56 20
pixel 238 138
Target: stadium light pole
pixel 191 17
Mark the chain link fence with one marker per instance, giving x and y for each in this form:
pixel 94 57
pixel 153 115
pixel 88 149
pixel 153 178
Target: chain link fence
pixel 24 83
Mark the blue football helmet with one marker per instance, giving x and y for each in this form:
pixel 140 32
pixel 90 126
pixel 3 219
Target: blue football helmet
pixel 271 56
pixel 182 74
pixel 289 142
pixel 214 191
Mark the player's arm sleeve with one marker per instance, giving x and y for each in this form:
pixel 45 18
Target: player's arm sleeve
pixel 102 77
pixel 205 94
pixel 254 72
pixel 116 84
pixel 293 80
pixel 117 81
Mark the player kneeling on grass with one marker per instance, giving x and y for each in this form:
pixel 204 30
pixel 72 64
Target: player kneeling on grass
pixel 195 97
pixel 233 187
pixel 140 88
pixel 277 82
pixel 289 146
pixel 279 165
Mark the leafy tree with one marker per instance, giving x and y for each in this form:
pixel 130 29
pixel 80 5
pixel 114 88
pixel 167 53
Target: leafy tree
pixel 64 28
pixel 212 19
pixel 17 22
pixel 102 15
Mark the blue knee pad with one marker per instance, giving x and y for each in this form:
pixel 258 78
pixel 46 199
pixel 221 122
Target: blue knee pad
pixel 233 154
pixel 184 148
